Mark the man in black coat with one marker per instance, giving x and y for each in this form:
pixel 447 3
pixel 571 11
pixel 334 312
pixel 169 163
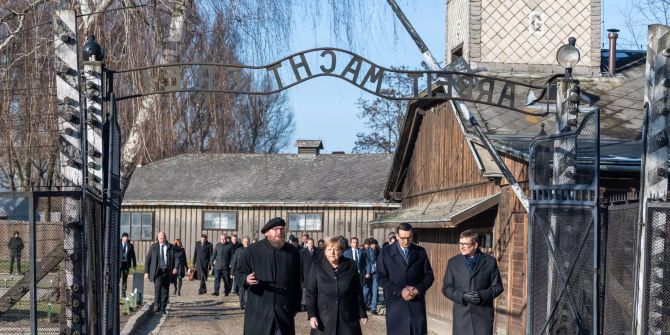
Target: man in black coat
pixel 223 253
pixel 15 246
pixel 236 246
pixel 308 255
pixel 270 271
pixel 404 271
pixel 158 266
pixel 359 256
pixel 128 260
pixel 202 261
pixel 237 257
pixel 472 281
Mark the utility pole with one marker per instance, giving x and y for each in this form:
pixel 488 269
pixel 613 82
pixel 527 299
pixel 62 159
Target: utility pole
pixel 652 301
pixel 73 318
pixel 567 103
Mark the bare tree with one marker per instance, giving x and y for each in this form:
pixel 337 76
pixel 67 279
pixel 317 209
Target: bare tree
pixel 138 33
pixel 638 15
pixel 383 117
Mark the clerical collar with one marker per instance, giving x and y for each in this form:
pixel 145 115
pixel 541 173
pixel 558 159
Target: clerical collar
pixel 477 252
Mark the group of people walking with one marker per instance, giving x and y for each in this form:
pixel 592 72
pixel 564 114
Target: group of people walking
pixel 334 283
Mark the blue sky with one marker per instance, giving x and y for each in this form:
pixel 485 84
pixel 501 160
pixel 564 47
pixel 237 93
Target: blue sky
pixel 325 108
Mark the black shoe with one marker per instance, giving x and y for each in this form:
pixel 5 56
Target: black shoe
pixel 216 294
pixel 226 294
pixel 241 307
pixel 179 293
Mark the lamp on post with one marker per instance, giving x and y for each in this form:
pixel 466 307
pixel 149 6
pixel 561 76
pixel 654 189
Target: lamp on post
pixel 568 91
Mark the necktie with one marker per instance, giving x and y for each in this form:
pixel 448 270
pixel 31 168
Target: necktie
pixel 405 254
pixel 163 265
pixel 356 256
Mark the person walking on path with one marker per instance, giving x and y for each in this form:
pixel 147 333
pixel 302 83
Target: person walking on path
pixel 128 260
pixel 472 281
pixel 223 253
pixel 359 257
pixel 370 291
pixel 234 269
pixel 334 298
pixel 180 265
pixel 308 255
pixel 236 243
pixel 202 261
pixel 270 271
pixel 405 273
pixel 15 246
pixel 158 267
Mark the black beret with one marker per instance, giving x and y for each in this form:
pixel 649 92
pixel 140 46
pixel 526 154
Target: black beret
pixel 273 223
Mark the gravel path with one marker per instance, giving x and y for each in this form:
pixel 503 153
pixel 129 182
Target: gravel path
pixel 191 313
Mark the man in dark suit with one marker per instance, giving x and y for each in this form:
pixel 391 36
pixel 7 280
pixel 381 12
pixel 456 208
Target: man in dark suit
pixel 128 260
pixel 472 281
pixel 237 256
pixel 308 255
pixel 405 273
pixel 158 266
pixel 221 258
pixel 359 256
pixel 202 261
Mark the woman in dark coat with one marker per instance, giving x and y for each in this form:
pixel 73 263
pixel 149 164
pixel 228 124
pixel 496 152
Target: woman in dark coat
pixel 334 298
pixel 180 266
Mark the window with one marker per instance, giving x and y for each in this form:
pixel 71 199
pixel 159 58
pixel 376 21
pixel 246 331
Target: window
pixel 220 220
pixel 139 225
pixel 305 221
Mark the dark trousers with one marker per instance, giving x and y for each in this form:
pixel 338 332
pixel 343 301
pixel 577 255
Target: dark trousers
pixel 227 283
pixel 18 264
pixel 202 275
pixel 161 290
pixel 177 281
pixel 124 280
pixel 243 295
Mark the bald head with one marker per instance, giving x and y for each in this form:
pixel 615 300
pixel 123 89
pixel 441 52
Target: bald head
pixel 162 237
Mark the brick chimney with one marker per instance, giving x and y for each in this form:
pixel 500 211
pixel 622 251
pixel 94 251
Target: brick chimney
pixel 309 147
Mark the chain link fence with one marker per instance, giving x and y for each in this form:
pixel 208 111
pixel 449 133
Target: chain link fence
pixel 46 295
pixel 564 232
pixel 619 221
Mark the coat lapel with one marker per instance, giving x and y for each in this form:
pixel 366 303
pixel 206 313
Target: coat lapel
pixel 413 254
pixel 480 263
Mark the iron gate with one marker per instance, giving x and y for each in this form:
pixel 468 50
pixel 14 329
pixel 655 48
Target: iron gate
pixel 564 232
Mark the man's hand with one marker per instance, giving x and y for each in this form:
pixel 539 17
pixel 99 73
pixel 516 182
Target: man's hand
pixel 174 271
pixel 146 276
pixel 251 279
pixel 313 322
pixel 406 294
pixel 364 321
pixel 413 291
pixel 472 297
pixel 367 276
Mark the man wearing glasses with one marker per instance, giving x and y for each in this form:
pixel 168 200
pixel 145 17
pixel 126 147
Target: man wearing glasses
pixel 472 281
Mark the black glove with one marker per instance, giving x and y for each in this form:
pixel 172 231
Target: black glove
pixel 472 297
